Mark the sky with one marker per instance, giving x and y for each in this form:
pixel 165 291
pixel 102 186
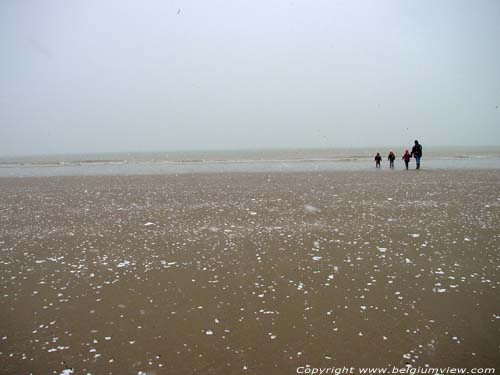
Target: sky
pixel 119 75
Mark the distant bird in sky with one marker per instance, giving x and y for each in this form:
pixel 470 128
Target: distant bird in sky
pixel 178 11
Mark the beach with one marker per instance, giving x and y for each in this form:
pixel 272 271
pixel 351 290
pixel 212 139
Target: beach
pixel 258 273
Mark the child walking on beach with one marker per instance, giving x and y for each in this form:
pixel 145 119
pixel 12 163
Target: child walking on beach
pixel 378 159
pixel 406 157
pixel 391 159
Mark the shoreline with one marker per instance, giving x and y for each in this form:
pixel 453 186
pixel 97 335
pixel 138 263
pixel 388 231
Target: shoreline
pixel 240 166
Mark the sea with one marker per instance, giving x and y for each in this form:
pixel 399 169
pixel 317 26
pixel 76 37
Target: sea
pixel 265 160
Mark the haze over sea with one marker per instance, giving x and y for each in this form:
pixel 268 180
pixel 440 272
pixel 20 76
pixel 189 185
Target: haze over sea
pixel 266 160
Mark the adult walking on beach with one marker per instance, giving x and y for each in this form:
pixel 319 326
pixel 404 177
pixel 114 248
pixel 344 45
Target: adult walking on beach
pixel 406 157
pixel 378 159
pixel 416 152
pixel 391 159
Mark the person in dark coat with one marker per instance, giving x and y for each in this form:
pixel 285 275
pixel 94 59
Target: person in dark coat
pixel 391 159
pixel 416 152
pixel 378 159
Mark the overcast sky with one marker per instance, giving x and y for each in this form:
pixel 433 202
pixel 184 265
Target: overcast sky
pixel 115 75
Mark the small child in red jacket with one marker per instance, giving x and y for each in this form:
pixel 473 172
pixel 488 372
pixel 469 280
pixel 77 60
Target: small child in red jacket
pixel 406 157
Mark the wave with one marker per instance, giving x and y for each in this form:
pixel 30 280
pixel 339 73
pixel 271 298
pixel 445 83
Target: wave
pixel 111 162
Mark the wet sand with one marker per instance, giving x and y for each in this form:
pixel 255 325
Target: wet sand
pixel 249 273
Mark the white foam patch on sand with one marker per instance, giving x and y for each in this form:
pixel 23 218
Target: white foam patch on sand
pixel 311 209
pixel 438 290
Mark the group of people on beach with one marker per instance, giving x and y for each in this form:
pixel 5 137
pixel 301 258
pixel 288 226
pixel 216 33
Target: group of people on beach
pixel 416 152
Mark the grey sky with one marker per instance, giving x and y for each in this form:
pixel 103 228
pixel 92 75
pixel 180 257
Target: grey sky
pixel 92 76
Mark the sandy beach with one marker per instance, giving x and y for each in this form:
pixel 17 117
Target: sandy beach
pixel 249 272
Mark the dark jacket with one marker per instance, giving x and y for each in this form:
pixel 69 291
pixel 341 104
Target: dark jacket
pixel 416 150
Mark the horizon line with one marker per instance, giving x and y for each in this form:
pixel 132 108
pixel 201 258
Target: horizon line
pixel 249 149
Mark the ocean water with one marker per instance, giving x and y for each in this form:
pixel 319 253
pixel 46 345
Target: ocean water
pixel 269 160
